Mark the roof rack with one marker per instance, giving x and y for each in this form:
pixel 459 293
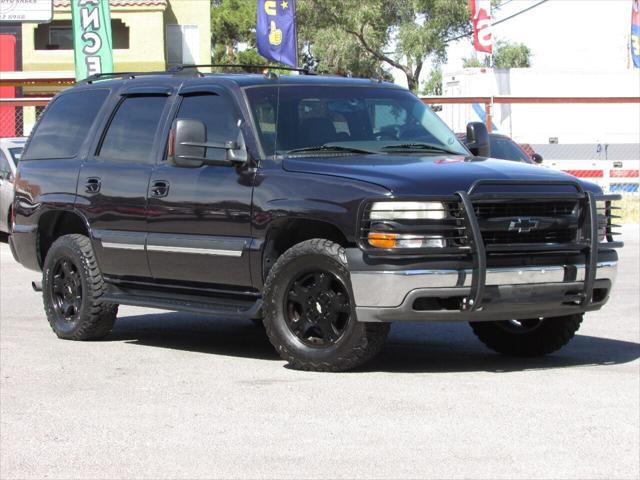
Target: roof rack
pixel 184 69
pixel 181 68
pixel 113 75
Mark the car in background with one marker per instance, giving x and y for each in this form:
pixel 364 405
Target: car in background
pixel 503 147
pixel 10 153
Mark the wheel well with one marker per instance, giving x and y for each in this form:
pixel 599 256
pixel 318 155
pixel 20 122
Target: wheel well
pixel 53 225
pixel 289 233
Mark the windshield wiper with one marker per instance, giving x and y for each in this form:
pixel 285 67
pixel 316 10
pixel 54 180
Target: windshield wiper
pixel 420 146
pixel 328 147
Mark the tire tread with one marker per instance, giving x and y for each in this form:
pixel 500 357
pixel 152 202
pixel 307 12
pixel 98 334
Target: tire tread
pixel 551 336
pixel 375 333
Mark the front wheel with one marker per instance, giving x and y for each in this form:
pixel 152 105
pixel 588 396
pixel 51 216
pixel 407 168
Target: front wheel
pixel 309 312
pixel 528 338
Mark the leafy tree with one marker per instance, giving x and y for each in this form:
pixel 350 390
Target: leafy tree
pixel 233 22
pixel 472 62
pixel 433 85
pixel 336 52
pixel 507 55
pixel 511 55
pixel 356 34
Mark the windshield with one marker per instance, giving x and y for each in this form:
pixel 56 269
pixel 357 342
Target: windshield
pixel 342 118
pixel 505 149
pixel 16 153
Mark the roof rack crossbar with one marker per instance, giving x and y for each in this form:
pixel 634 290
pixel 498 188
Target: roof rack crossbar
pixel 114 75
pixel 180 68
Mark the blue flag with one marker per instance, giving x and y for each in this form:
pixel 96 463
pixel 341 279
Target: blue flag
pixel 276 31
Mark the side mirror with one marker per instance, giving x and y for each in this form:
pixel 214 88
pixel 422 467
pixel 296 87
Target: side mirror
pixel 537 158
pixel 188 146
pixel 478 139
pixel 185 137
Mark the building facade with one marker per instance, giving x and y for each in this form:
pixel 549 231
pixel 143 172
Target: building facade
pixel 560 123
pixel 147 35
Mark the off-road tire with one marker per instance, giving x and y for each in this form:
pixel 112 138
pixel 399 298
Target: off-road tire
pixel 96 318
pixel 360 341
pixel 551 335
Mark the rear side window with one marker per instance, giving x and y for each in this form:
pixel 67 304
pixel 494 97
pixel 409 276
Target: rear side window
pixel 133 128
pixel 65 125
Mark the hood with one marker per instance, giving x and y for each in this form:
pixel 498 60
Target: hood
pixel 433 175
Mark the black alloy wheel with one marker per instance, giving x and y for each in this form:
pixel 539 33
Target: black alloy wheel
pixel 66 292
pixel 317 308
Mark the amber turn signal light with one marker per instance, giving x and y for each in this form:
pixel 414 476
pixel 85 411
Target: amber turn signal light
pixel 382 240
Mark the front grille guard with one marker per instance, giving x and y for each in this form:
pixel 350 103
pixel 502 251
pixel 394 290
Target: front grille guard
pixel 588 243
pixel 589 246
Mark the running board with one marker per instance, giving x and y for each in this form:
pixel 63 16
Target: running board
pixel 223 308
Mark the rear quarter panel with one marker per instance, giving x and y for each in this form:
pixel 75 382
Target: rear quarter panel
pixel 40 186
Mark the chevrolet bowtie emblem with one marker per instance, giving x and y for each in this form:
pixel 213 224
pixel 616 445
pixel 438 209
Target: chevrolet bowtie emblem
pixel 523 225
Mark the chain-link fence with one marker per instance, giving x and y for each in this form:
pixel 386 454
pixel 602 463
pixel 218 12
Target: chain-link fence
pixel 19 115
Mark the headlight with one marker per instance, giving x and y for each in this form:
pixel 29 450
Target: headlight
pixel 407 211
pixel 395 240
pixel 400 225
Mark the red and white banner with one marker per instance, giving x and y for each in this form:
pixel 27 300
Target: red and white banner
pixel 481 19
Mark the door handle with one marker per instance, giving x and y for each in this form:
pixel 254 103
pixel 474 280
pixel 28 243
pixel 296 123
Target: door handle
pixel 93 185
pixel 159 188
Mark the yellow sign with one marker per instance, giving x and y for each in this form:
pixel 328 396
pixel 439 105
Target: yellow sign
pixel 270 8
pixel 275 34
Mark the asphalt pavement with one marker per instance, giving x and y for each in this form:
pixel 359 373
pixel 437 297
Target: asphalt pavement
pixel 171 395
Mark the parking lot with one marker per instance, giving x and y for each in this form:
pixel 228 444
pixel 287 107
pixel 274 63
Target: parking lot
pixel 170 395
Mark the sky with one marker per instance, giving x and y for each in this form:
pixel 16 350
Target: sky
pixel 563 35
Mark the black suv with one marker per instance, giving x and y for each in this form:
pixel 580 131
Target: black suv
pixel 324 207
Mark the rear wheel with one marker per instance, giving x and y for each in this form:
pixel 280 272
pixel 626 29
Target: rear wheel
pixel 309 313
pixel 530 337
pixel 71 289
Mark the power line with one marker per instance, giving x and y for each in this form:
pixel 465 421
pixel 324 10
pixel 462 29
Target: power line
pixel 506 2
pixel 502 20
pixel 521 12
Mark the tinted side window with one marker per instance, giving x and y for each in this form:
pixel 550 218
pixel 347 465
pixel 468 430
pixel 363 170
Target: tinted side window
pixel 218 114
pixel 65 125
pixel 133 128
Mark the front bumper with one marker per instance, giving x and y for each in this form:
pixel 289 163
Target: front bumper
pixel 440 290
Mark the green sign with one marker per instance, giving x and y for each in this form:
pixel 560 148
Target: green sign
pixel 91 37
